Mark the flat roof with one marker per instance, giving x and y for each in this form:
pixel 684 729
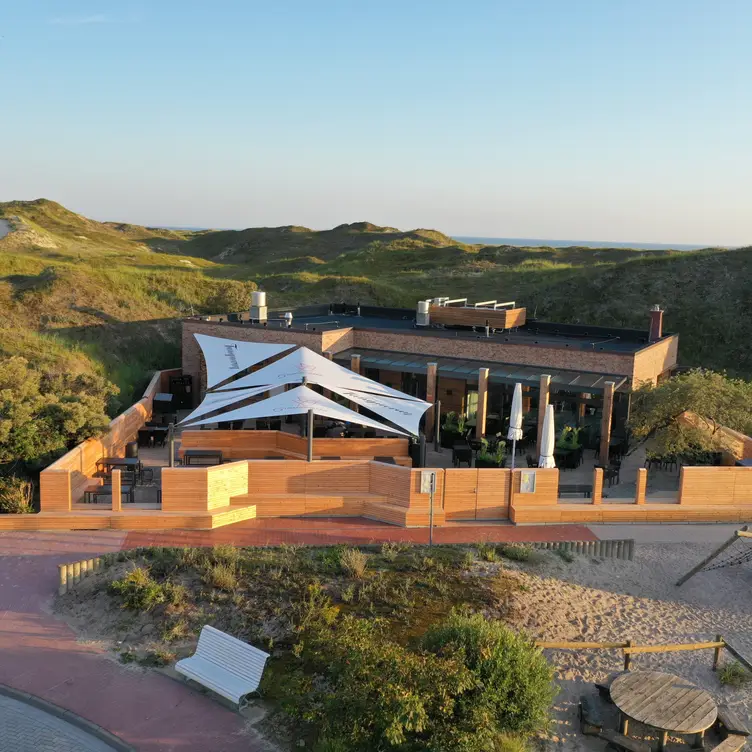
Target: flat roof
pixel 533 332
pixel 500 373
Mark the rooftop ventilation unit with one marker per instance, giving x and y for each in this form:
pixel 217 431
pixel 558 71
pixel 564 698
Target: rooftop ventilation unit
pixel 258 310
pixel 423 317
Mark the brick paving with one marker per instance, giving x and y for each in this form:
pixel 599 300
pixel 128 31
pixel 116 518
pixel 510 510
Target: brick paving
pixel 355 531
pixel 24 728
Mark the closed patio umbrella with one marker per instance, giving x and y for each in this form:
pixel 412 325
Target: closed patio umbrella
pixel 514 434
pixel 546 458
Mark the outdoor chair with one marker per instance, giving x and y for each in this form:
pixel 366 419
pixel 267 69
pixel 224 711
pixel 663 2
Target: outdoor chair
pixel 462 453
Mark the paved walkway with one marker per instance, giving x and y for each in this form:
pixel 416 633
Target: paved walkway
pixel 40 655
pixel 24 728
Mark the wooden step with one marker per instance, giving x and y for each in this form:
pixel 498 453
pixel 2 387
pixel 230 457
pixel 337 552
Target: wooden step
pixel 403 516
pixel 343 504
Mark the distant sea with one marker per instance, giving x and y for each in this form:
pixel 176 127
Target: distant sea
pixel 536 242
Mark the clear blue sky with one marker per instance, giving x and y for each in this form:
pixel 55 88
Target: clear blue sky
pixel 577 119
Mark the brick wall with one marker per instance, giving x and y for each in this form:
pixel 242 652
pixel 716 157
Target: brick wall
pixel 654 360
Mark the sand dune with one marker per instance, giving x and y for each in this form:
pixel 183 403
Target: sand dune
pixel 612 601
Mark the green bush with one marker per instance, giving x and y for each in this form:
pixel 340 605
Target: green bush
pixel 376 694
pixel 518 553
pixel 513 688
pixel 354 562
pixel 222 577
pixel 733 674
pixel 138 590
pixel 15 495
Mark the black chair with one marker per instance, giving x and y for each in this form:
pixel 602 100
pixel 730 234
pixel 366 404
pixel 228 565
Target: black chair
pixel 531 461
pixel 462 453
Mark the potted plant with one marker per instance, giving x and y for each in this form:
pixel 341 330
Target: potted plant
pixel 569 438
pixel 488 457
pixel 452 430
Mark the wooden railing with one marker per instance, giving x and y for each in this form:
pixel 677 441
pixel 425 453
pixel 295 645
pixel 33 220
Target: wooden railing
pixel 629 649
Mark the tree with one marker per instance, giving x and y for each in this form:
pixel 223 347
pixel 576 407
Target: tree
pixel 663 415
pixel 231 297
pixel 43 414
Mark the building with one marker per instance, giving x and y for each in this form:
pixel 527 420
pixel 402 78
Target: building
pixel 440 351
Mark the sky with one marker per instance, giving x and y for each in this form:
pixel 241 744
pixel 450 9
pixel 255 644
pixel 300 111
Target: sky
pixel 617 120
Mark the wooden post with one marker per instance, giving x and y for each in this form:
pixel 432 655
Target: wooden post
pixel 76 572
pixel 355 368
pixel 711 556
pixel 642 484
pixel 597 485
pixel 627 659
pixel 480 418
pixel 608 408
pixel 431 379
pixel 84 568
pixel 717 654
pixel 329 355
pixel 525 400
pixel 116 492
pixel 62 570
pixel 543 388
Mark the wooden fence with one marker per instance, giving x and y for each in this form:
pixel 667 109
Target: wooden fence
pixel 629 649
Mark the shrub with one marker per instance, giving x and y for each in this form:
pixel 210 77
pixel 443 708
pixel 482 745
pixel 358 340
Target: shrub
pixel 390 550
pixel 518 553
pixel 376 694
pixel 567 556
pixel 138 590
pixel 222 577
pixel 733 674
pixel 225 553
pixel 514 684
pixel 15 495
pixel 486 551
pixel 354 562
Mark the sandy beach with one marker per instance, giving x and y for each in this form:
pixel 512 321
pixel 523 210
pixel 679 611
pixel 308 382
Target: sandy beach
pixel 612 601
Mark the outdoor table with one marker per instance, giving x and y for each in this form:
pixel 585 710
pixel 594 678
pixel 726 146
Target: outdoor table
pixel 127 463
pixel 665 702
pixel 202 454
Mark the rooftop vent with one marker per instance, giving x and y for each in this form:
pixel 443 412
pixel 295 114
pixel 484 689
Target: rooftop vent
pixel 258 312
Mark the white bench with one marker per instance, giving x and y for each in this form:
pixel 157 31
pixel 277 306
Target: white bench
pixel 228 666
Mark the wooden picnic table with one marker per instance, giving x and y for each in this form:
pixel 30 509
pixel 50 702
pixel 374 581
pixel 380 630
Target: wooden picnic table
pixel 665 702
pixel 202 454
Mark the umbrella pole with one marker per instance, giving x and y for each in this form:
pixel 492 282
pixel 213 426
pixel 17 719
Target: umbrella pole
pixel 310 435
pixel 514 451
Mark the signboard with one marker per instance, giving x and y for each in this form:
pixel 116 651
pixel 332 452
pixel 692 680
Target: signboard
pixel 427 481
pixel 527 481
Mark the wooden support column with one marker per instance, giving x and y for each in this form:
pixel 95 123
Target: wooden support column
pixel 526 399
pixel 642 484
pixel 581 408
pixel 544 386
pixel 597 485
pixel 480 418
pixel 116 492
pixel 608 409
pixel 329 355
pixel 355 368
pixel 432 370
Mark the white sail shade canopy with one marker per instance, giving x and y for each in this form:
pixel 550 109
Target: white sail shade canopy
pixel 298 401
pixel 226 357
pixel 306 365
pixel 218 400
pixel 405 413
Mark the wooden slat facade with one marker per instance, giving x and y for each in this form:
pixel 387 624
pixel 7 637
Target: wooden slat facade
pixel 503 318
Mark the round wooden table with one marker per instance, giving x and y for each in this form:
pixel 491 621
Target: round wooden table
pixel 664 701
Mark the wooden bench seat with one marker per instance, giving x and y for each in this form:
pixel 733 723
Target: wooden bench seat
pixel 338 504
pixel 731 722
pixel 591 722
pixel 732 743
pixel 626 743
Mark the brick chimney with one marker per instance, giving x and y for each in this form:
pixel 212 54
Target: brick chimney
pixel 656 323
